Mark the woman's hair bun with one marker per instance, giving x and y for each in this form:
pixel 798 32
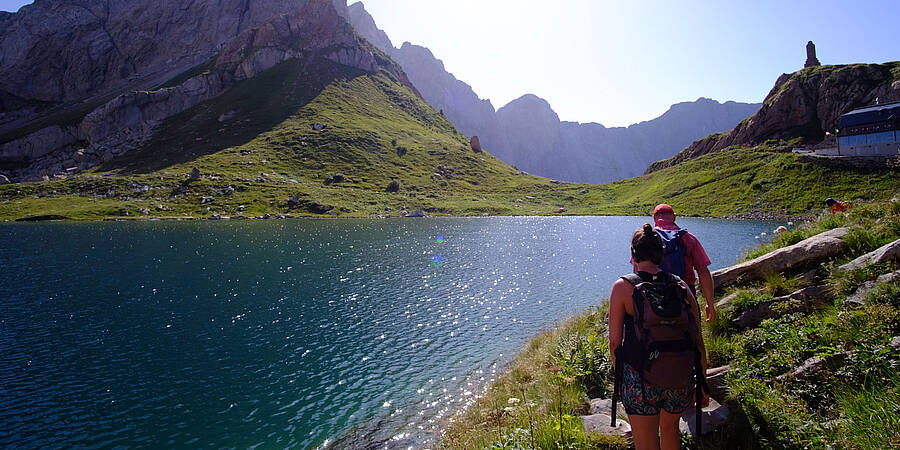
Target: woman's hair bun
pixel 648 229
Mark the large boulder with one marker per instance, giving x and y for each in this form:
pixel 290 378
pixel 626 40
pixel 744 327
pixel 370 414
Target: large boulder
pixel 888 253
pixel 817 248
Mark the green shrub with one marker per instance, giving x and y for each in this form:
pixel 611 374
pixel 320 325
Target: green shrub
pixel 586 356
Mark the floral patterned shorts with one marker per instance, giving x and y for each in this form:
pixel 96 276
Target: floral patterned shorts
pixel 649 400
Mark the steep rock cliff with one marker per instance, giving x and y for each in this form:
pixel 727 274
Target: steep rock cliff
pixel 315 30
pixel 54 53
pixel 804 105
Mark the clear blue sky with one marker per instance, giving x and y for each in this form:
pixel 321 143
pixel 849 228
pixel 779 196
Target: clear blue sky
pixel 622 62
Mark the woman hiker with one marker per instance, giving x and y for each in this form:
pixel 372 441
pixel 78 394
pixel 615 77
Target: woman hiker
pixel 656 346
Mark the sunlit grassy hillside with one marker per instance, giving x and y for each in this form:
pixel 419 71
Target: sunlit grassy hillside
pixel 261 149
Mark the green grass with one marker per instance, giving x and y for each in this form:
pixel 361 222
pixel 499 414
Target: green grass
pixel 870 415
pixel 543 392
pixel 850 404
pixel 265 126
pixel 271 132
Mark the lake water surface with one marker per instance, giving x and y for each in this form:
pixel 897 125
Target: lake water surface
pixel 287 333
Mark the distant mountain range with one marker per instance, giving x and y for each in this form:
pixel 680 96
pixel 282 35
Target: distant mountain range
pixel 528 133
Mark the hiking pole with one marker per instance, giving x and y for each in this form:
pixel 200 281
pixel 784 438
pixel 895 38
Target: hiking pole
pixel 617 390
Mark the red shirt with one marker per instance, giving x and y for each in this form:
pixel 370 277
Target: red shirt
pixel 694 255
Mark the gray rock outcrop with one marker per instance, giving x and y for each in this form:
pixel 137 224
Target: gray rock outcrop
pixel 859 297
pixel 604 406
pixel 888 253
pixel 718 385
pixel 804 104
pixel 599 423
pixel 822 246
pixel 803 300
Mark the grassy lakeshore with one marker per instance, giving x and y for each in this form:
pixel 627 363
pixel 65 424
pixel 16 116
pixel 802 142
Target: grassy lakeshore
pixel 851 401
pixel 261 177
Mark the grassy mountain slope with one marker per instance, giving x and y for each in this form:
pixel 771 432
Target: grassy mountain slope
pixel 753 181
pixel 256 146
pixel 750 182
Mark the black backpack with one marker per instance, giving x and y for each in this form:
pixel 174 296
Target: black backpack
pixel 660 341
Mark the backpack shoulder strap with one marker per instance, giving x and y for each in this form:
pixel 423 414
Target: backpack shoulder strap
pixel 633 279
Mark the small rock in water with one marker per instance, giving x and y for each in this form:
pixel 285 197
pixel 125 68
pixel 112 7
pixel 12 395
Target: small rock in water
pixel 318 126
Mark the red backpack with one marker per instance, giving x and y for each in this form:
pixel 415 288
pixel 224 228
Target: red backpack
pixel 660 339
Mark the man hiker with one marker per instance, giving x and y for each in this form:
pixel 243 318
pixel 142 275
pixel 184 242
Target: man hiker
pixel 684 256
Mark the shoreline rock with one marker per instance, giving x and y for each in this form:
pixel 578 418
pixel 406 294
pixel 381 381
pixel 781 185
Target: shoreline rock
pixel 816 248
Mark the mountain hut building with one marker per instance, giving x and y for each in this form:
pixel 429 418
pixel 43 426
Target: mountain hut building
pixel 870 131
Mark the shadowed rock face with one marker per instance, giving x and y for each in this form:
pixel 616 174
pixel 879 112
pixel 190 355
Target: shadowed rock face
pixel 55 51
pixel 804 104
pixel 120 123
pixel 65 50
pixel 528 133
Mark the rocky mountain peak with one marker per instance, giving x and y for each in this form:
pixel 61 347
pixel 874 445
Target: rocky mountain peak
pixel 532 107
pixel 804 105
pixel 365 26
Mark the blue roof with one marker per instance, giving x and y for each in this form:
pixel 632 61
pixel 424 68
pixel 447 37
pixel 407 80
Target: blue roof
pixel 871 114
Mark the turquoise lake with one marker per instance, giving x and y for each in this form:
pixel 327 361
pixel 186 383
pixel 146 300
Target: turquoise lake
pixel 302 333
